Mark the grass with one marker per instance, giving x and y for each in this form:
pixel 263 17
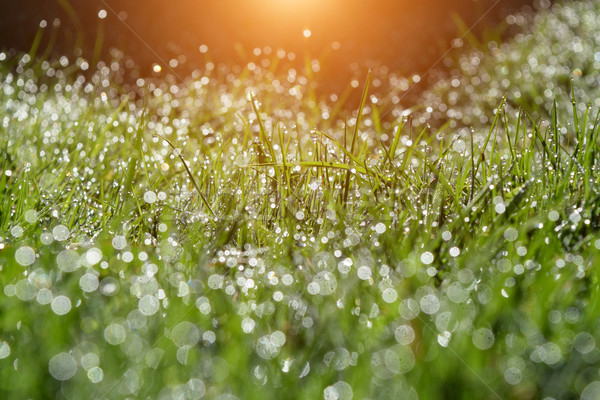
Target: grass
pixel 209 239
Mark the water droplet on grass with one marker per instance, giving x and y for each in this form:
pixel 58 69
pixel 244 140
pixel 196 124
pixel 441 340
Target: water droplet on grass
pixel 61 305
pixel 148 305
pixel 380 228
pixel 62 367
pixel 31 216
pixel 584 343
pixel 511 234
pixel 513 376
pixel 185 334
pixel 89 360
pixel 25 256
pixel 25 290
pixel 195 389
pixel 399 359
pixel 93 256
pixel 409 309
pixel 95 374
pixel 60 233
pixel 389 295
pixel 115 334
pixel 88 282
pixel 430 304
pixel 68 260
pixel 326 281
pixel 46 238
pixel 119 242
pixel 44 296
pixel 444 338
pixel 404 334
pixel 278 338
pixel 427 258
pixel 150 197
pixel 4 350
pixel 483 338
pixel 248 325
pixel 16 231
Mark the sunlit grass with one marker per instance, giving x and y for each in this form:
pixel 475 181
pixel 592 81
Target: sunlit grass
pixel 226 237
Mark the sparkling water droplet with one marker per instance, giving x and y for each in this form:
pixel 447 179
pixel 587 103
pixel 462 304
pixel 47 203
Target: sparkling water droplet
pixel 195 389
pixel 148 305
pixel 93 256
pixel 511 234
pixel 44 296
pixel 25 256
pixel 185 334
pixel 248 325
pixel 513 376
pixel 404 334
pixel 380 228
pixel 591 391
pixel 483 338
pixel 31 216
pixel 584 342
pixel 16 231
pixel 430 304
pixel 427 258
pixel 46 238
pixel 326 281
pixel 88 282
pixel 399 359
pixel 68 260
pixel 60 233
pixel 119 242
pixel 115 334
pixel 61 305
pixel 62 367
pixel 389 295
pixel 409 309
pixel 444 338
pixel 4 350
pixel 278 338
pixel 149 197
pixel 95 374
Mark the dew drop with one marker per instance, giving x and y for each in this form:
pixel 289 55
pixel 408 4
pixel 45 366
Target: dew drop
pixel 427 258
pixel 88 282
pixel 4 350
pixel 511 234
pixel 404 334
pixel 150 197
pixel 148 305
pixel 60 233
pixel 25 256
pixel 61 305
pixel 44 296
pixel 483 338
pixel 68 260
pixel 95 374
pixel 444 338
pixel 591 392
pixel 185 334
pixel 389 295
pixel 430 304
pixel 119 242
pixel 62 366
pixel 115 334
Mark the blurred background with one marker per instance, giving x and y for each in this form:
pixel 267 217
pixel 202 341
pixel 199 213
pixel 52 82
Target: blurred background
pixel 346 35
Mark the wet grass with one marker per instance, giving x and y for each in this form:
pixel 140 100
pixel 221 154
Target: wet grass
pixel 228 237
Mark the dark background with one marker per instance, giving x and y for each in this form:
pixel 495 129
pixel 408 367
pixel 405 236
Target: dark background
pixel 407 36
